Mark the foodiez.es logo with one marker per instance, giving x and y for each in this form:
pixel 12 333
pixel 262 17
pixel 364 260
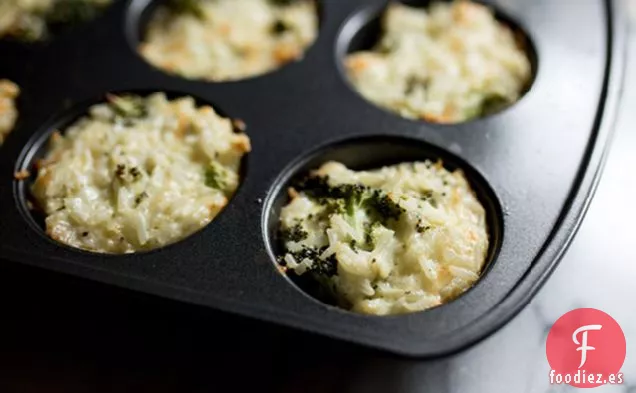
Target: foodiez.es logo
pixel 586 348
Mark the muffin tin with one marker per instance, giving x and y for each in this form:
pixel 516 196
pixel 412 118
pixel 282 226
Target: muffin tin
pixel 534 165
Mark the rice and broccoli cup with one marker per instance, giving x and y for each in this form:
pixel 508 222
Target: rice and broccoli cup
pixel 220 40
pixel 9 91
pixel 449 63
pixel 32 20
pixel 394 240
pixel 138 173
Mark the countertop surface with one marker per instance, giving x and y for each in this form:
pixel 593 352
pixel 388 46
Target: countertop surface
pixel 85 337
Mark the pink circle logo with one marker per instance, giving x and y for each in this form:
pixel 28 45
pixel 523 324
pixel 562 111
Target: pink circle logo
pixel 586 348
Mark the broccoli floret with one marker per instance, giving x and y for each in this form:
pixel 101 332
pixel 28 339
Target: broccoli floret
pixel 217 176
pixel 386 207
pixel 127 106
pixel 375 202
pixel 325 267
pixel 331 206
pixel 369 237
pixel 354 197
pixel 357 199
pixel 349 200
pixel 72 11
pixel 294 234
pixel 316 187
pixel 321 267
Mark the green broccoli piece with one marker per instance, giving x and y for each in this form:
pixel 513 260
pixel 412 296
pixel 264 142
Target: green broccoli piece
pixel 217 176
pixel 331 207
pixel 386 207
pixel 325 267
pixel 127 106
pixel 350 199
pixel 369 236
pixel 316 187
pixel 375 202
pixel 320 267
pixel 294 234
pixel 66 12
pixel 354 197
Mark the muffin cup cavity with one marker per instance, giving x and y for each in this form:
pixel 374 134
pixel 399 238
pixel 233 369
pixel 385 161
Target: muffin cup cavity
pixel 368 153
pixel 141 14
pixel 363 30
pixel 37 148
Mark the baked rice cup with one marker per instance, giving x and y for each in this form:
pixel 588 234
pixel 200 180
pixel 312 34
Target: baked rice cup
pixel 138 173
pixel 224 40
pixel 448 63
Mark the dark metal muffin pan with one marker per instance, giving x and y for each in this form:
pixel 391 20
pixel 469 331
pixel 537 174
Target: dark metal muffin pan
pixel 534 165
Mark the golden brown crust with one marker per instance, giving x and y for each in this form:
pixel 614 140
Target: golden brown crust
pixel 242 144
pixel 284 54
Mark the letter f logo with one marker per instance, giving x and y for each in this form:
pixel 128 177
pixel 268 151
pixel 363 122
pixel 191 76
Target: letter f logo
pixel 583 344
